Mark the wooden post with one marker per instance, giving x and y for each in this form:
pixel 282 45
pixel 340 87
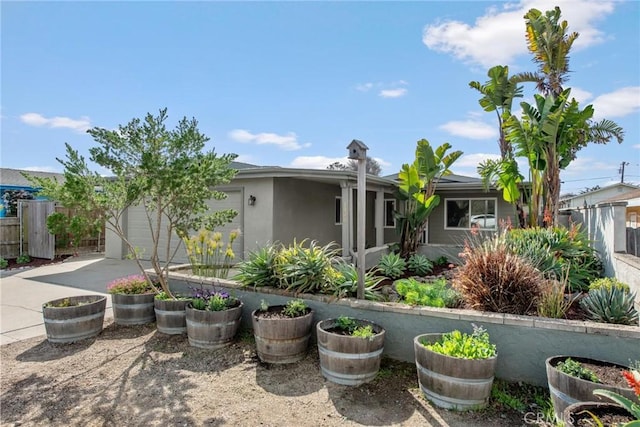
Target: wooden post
pixel 362 217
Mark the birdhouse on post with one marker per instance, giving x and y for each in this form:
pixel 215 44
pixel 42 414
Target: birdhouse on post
pixel 357 150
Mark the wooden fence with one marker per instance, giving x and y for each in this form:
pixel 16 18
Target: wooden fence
pixel 11 245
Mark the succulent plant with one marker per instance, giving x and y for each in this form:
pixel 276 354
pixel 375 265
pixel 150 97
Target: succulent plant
pixel 611 305
pixel 392 265
pixel 419 265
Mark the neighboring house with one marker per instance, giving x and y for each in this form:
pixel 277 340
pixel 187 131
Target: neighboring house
pixel 277 204
pixel 12 180
pixel 632 198
pixel 592 198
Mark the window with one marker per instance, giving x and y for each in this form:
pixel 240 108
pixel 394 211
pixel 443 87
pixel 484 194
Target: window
pixel 467 213
pixel 389 217
pixel 338 217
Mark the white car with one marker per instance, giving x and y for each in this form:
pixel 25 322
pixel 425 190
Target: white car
pixel 483 221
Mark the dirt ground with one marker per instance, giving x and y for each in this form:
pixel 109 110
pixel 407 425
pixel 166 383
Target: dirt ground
pixel 135 376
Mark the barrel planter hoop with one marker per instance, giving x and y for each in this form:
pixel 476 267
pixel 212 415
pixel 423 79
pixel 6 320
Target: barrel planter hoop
pixel 349 360
pixel 170 316
pixel 212 329
pixel 566 389
pixel 76 322
pixel 283 339
pixel 133 309
pixel 451 382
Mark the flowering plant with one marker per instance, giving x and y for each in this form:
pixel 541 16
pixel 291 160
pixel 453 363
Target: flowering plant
pixel 134 284
pixel 208 254
pixel 204 299
pixel 633 378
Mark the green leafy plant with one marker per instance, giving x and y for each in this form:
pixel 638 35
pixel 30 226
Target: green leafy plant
pixel 3 263
pixel 306 269
pixel 264 306
pixel 633 379
pixel 608 282
pixel 463 345
pixel 441 260
pixel 575 369
pixel 133 284
pixel 23 259
pixel 212 300
pixel 419 264
pixel 392 265
pixel 259 269
pixel 352 327
pixel 295 308
pixel 345 283
pixel 553 302
pixel 432 294
pixel 208 254
pixel 611 305
pixel 165 173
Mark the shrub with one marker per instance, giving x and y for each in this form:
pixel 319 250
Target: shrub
pixel 575 369
pixel 131 285
pixel 608 282
pixel 433 294
pixel 557 250
pixel 392 265
pixel 465 346
pixel 23 259
pixel 419 264
pixel 553 303
pixel 306 269
pixel 3 263
pixel 259 268
pixel 345 284
pixel 610 305
pixel 494 279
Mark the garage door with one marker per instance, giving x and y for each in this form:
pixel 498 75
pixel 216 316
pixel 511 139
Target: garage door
pixel 139 235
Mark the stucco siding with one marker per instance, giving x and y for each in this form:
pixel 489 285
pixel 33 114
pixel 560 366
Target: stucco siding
pixel 258 219
pixel 305 209
pixel 439 234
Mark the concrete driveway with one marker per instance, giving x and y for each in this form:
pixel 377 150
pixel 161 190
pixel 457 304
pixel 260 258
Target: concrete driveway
pixel 22 292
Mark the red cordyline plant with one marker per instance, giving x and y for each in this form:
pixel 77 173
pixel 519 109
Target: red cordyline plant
pixel 633 378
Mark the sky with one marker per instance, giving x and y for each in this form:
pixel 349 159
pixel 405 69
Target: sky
pixel 291 84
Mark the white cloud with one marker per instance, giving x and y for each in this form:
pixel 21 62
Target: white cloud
pixel 619 103
pixel 288 142
pixel 316 162
pixel 473 129
pixel 364 87
pixel 636 146
pixel 393 93
pixel 580 95
pixel 473 160
pixel 38 120
pixel 582 165
pixel 498 36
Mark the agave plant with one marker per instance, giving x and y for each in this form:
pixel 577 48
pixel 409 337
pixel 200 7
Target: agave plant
pixel 346 283
pixel 392 265
pixel 419 265
pixel 611 305
pixel 306 269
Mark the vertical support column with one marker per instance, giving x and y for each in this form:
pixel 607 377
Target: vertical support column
pixel 379 215
pixel 345 215
pixel 362 223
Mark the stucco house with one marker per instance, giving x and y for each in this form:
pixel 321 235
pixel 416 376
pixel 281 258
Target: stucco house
pixel 592 198
pixel 632 217
pixel 276 204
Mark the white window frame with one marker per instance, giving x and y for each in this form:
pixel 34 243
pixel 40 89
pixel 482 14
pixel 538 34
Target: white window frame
pixel 469 199
pixel 393 219
pixel 338 210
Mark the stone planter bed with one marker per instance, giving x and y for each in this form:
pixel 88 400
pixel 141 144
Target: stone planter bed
pixel 524 342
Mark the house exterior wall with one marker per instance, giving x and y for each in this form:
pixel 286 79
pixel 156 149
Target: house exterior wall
pixel 258 220
pixel 439 234
pixel 305 209
pixel 595 197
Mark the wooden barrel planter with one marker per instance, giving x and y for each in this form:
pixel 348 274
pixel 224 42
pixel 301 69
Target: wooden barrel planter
pixel 574 414
pixel 452 382
pixel 212 329
pixel 133 309
pixel 566 390
pixel 81 318
pixel 346 359
pixel 171 316
pixel 281 339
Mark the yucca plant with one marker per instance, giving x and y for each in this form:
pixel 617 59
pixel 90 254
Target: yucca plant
pixel 392 265
pixel 419 265
pixel 610 305
pixel 259 268
pixel 346 283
